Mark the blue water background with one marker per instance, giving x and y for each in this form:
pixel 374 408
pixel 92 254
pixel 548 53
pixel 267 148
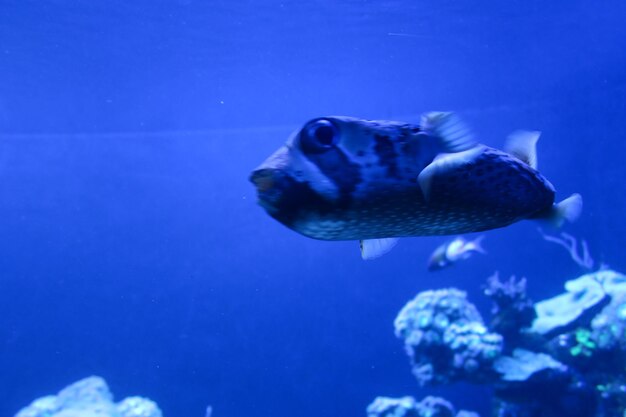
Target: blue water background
pixel 131 245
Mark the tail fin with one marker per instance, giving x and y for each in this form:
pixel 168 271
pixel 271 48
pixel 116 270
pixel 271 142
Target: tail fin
pixel 568 209
pixel 476 245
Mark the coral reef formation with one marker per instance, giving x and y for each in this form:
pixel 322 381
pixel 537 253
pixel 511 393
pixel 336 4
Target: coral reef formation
pixel 562 356
pixel 583 298
pixel 446 338
pixel 89 397
pixel 512 309
pixel 581 257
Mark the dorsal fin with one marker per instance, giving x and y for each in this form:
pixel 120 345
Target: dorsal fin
pixel 449 129
pixel 522 144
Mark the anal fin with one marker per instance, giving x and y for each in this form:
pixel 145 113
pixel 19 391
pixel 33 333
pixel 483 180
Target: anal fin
pixel 375 248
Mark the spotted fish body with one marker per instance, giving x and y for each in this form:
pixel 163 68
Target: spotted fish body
pixel 341 178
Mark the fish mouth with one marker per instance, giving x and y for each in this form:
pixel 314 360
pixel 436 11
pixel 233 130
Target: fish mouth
pixel 286 199
pixel 271 185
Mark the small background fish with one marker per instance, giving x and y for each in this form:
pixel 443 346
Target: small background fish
pixel 452 251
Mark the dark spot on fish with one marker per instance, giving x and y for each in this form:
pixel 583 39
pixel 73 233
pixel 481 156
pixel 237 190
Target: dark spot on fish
pixel 405 135
pixel 387 155
pixel 360 153
pixel 411 148
pixel 480 172
pixel 344 173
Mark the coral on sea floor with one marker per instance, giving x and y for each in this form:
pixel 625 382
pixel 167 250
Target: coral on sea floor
pixel 409 407
pixel 512 309
pixel 89 397
pixel 446 338
pixel 583 299
pixel 523 364
pixel 565 356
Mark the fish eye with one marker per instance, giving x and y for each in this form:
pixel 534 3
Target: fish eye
pixel 319 136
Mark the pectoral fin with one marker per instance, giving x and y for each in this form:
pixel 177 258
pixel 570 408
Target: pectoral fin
pixel 445 164
pixel 374 248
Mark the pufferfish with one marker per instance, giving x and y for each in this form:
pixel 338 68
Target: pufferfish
pixel 343 178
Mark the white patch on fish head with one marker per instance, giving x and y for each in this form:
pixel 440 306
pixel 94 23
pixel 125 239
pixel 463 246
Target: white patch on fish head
pixel 332 162
pixel 290 161
pixel 302 169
